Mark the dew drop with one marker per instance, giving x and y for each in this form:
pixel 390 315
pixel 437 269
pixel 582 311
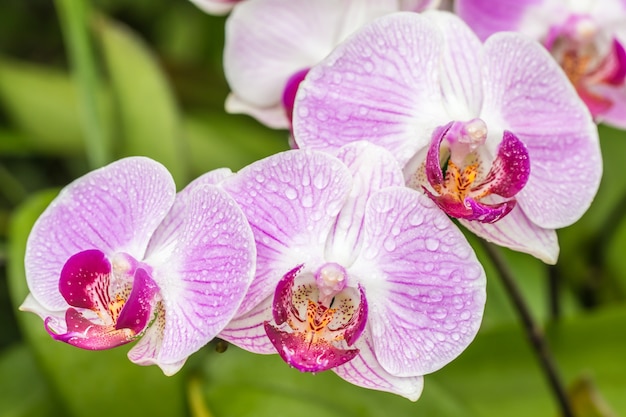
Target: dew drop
pixel 290 193
pixel 432 244
pixel 389 244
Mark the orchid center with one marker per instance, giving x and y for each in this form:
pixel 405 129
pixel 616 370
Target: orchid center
pixel 589 57
pixel 462 178
pixel 317 318
pixel 111 301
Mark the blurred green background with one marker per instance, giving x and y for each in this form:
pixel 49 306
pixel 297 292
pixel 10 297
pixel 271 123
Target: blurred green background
pixel 82 84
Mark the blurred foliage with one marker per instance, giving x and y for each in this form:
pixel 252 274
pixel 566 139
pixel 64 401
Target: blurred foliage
pixel 160 91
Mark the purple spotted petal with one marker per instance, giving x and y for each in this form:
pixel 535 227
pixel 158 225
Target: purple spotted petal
pixel 357 323
pixel 365 371
pixel 202 278
pixel 517 232
pixel 425 287
pixel 434 174
pixel 527 93
pixel 381 86
pixel 85 279
pixel 138 309
pixel 372 168
pixel 282 296
pixel 267 42
pixel 113 209
pixel 510 170
pixel 291 200
pixel 306 356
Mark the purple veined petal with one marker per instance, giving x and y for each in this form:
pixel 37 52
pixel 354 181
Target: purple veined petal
pixel 487 17
pixel 204 277
pixel 291 200
pixel 268 41
pixel 460 68
pixel 167 232
pixel 528 94
pixel 248 331
pixel 365 371
pixel 372 168
pixel 305 356
pixel 517 232
pixel 380 85
pixel 425 287
pixel 114 209
pixel 217 7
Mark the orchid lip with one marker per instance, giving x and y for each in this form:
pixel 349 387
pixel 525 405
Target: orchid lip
pixel 108 307
pixel 317 319
pixel 459 187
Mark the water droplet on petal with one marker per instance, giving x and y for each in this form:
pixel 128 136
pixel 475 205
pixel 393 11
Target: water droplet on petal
pixel 290 193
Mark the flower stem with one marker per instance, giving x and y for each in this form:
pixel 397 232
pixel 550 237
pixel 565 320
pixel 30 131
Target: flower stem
pixel 554 285
pixel 73 15
pixel 533 330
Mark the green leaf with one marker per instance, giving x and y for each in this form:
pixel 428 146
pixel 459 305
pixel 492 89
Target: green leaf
pixel 42 104
pixel 89 383
pixel 498 375
pixel 223 140
pixel 23 390
pixel 242 384
pixel 148 113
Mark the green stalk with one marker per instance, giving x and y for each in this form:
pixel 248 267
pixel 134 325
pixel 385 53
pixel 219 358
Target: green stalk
pixel 74 18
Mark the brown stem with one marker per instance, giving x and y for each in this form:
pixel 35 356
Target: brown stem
pixel 533 331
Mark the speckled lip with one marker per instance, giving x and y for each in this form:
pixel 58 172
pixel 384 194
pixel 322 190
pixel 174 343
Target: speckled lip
pixel 459 190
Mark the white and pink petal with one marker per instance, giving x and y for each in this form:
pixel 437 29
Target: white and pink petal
pixel 381 85
pixel 372 169
pixel 203 275
pixel 424 286
pixel 365 371
pixel 291 200
pixel 527 93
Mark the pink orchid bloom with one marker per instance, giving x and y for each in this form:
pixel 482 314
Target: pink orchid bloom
pixel 118 257
pixel 271 44
pixel 493 133
pixel 355 272
pixel 587 38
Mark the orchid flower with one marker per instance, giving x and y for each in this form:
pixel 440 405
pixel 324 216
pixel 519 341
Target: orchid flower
pixel 355 272
pixel 587 38
pixel 119 257
pixel 271 44
pixel 216 7
pixel 493 133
